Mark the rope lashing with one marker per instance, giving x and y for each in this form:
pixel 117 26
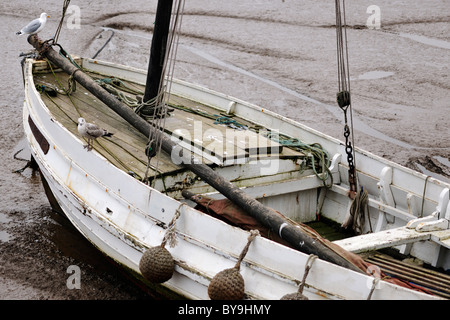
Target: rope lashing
pixel 49 90
pixel 157 264
pixel 229 284
pixel 299 294
pixel 118 88
pixel 253 235
pixel 357 216
pixel 120 84
pixel 170 236
pixel 72 84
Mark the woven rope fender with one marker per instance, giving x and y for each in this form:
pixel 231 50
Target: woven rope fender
pixel 299 294
pixel 229 284
pixel 157 264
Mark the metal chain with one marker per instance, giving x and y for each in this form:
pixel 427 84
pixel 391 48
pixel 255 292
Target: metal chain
pixel 349 152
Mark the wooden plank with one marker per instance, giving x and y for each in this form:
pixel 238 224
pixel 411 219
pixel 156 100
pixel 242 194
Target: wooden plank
pixel 442 237
pixel 253 143
pixel 382 239
pixel 41 66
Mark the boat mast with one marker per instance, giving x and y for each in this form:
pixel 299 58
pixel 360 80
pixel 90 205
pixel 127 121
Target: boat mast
pixel 158 50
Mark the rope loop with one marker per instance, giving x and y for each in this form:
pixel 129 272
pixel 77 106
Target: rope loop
pixel 308 266
pixel 253 235
pixel 170 235
pixel 375 282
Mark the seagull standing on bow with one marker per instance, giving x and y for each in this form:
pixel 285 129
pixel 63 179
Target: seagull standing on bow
pixel 91 132
pixel 34 26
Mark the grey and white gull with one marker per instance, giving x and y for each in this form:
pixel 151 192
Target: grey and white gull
pixel 91 132
pixel 34 26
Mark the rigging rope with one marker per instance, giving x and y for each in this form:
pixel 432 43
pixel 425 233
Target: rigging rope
pixel 58 30
pixel 344 93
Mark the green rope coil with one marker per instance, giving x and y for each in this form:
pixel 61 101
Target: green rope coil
pixel 318 158
pixel 230 123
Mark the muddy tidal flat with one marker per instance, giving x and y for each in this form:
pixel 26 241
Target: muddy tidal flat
pixel 278 54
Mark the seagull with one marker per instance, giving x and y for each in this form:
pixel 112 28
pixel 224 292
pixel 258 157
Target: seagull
pixel 91 132
pixel 34 26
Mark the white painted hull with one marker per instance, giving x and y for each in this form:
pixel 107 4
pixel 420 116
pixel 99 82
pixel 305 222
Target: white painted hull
pixel 122 216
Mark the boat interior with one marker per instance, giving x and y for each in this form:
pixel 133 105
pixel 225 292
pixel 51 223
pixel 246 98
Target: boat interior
pixel 233 146
pixel 270 166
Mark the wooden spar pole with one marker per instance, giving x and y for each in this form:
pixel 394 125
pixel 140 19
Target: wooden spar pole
pixel 158 50
pixel 265 215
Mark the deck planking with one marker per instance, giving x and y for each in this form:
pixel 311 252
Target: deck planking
pixel 195 122
pixel 125 148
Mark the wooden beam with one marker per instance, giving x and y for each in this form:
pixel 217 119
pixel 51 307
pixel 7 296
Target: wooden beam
pixel 382 239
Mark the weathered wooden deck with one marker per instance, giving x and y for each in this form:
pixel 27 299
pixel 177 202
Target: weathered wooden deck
pixel 200 127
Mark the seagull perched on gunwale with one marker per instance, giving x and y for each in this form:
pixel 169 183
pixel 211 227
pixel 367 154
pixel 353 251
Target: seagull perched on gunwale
pixel 91 132
pixel 34 26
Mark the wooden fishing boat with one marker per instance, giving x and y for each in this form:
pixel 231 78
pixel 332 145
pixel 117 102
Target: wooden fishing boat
pixel 126 203
pixel 102 195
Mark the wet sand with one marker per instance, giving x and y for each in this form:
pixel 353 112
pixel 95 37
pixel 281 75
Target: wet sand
pixel 280 55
